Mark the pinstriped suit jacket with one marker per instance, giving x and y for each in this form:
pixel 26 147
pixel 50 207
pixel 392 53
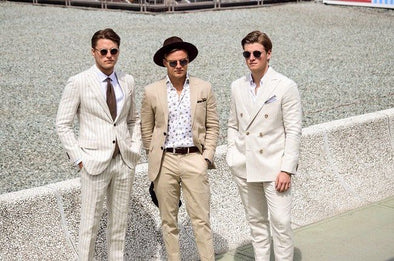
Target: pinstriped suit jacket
pixel 264 136
pixel 82 97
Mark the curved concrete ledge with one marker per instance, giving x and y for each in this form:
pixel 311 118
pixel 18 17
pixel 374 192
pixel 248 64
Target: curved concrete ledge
pixel 344 164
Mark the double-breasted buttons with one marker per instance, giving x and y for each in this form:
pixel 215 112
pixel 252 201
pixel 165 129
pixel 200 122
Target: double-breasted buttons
pixel 261 134
pixel 241 114
pixel 261 151
pixel 113 141
pixel 162 148
pixel 165 133
pixel 114 124
pixel 247 133
pixel 266 116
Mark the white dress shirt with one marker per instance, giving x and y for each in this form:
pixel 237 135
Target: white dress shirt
pixel 254 94
pixel 118 90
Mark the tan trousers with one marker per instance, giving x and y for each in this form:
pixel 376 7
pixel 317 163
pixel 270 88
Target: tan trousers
pixel 190 172
pixel 259 199
pixel 115 183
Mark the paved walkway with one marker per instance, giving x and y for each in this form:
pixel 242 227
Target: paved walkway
pixel 364 234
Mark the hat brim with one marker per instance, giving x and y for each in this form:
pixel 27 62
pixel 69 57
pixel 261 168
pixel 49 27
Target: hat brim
pixel 191 50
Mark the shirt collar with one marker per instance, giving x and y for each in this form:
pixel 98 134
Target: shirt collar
pixel 168 81
pixel 250 78
pixel 103 77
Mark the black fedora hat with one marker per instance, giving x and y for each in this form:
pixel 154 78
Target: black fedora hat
pixel 172 43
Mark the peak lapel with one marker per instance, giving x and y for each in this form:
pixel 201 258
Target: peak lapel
pixel 265 93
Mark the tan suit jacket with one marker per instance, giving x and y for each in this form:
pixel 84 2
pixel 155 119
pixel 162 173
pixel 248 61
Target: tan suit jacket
pixel 95 145
pixel 154 121
pixel 264 136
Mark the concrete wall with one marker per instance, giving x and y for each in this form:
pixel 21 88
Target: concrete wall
pixel 344 164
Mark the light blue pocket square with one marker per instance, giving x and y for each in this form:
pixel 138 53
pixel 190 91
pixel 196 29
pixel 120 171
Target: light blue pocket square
pixel 270 100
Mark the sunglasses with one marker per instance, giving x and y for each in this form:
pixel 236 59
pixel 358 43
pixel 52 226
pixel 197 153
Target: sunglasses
pixel 247 54
pixel 182 62
pixel 104 52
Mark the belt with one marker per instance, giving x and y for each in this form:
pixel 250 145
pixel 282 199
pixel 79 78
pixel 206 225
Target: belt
pixel 182 150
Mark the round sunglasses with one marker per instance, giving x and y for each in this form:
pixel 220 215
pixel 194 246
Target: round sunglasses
pixel 247 54
pixel 104 52
pixel 182 62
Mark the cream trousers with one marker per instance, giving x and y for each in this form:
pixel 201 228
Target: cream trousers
pixel 267 209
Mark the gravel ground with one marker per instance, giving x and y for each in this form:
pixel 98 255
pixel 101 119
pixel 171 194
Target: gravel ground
pixel 341 58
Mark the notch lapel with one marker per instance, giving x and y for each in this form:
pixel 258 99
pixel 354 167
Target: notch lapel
pixel 122 82
pixel 162 98
pixel 93 83
pixel 193 99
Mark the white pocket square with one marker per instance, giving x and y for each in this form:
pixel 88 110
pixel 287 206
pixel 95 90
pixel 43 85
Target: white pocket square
pixel 270 100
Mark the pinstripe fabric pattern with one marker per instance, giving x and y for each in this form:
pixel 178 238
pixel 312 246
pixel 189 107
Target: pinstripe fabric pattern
pixel 101 175
pixel 95 145
pixel 115 183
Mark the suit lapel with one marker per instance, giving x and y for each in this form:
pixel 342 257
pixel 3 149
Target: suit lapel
pixel 162 97
pixel 95 86
pixel 269 84
pixel 122 82
pixel 245 98
pixel 193 98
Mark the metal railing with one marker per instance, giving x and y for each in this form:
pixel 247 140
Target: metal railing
pixel 158 5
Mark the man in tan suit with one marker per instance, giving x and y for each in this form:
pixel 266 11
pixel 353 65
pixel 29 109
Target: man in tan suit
pixel 180 129
pixel 108 146
pixel 264 130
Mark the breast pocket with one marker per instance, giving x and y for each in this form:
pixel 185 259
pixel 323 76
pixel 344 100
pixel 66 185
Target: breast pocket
pixel 271 111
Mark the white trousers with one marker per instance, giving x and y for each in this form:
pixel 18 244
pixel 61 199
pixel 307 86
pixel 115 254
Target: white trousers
pixel 115 183
pixel 261 200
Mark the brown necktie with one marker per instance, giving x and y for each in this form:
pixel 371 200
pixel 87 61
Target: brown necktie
pixel 111 102
pixel 111 99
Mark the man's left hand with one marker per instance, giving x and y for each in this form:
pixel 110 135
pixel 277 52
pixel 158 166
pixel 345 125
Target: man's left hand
pixel 282 182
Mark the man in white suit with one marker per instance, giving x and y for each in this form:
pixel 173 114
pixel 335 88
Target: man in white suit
pixel 108 146
pixel 264 130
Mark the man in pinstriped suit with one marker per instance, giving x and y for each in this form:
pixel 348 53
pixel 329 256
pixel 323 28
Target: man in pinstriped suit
pixel 108 146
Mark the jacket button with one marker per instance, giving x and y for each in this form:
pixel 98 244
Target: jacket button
pixel 247 133
pixel 261 134
pixel 165 133
pixel 241 114
pixel 113 141
pixel 261 151
pixel 161 148
pixel 266 116
pixel 115 124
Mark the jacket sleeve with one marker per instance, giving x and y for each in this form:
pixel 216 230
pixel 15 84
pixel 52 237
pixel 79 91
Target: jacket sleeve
pixel 133 121
pixel 211 126
pixel 147 121
pixel 232 123
pixel 68 108
pixel 292 121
